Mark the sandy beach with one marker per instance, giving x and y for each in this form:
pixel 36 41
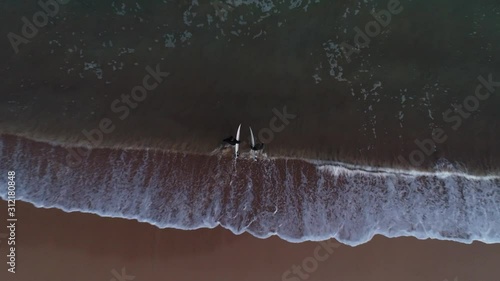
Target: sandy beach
pixel 58 246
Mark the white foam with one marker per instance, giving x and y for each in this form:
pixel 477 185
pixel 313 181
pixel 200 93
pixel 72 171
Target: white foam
pixel 275 197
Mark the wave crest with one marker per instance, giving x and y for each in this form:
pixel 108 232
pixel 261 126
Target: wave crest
pixel 294 199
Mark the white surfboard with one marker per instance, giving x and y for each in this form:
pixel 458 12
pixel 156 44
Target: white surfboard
pixel 252 139
pixel 237 146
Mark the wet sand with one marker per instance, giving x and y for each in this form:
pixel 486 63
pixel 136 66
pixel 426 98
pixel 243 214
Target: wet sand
pixel 58 246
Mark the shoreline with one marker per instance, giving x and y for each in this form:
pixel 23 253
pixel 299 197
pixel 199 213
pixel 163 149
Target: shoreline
pixel 450 170
pixel 293 199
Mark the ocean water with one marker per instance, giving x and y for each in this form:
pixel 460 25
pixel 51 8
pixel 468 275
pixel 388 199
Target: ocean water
pixel 241 61
pixel 295 199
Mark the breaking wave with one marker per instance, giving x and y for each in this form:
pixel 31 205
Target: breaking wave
pixel 294 199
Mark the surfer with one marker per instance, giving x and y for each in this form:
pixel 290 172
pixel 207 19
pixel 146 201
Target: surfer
pixel 231 140
pixel 234 141
pixel 255 146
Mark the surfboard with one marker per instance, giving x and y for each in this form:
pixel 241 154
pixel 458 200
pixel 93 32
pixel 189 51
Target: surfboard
pixel 252 138
pixel 237 146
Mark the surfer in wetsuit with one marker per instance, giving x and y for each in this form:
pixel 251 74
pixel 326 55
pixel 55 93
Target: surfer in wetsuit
pixel 234 141
pixel 258 146
pixel 254 146
pixel 231 140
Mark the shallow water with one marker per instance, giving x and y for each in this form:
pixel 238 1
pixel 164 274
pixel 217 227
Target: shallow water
pixel 294 199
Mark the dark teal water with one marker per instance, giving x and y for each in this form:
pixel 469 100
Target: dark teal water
pixel 234 62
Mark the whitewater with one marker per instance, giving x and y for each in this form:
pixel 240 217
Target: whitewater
pixel 294 199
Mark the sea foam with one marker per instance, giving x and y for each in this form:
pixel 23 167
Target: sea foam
pixel 294 199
